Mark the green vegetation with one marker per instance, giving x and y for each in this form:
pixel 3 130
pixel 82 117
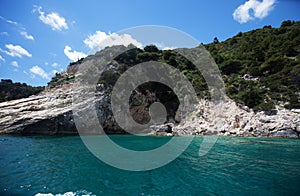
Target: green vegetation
pixel 61 79
pixel 10 91
pixel 270 58
pixel 152 53
pixel 261 68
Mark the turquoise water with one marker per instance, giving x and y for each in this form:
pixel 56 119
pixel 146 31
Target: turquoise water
pixel 234 166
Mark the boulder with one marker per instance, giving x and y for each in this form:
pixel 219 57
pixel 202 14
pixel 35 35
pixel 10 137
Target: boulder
pixel 298 127
pixel 285 133
pixel 167 128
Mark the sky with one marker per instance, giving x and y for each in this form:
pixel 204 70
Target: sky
pixel 41 37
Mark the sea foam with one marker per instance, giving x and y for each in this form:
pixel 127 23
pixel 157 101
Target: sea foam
pixel 70 193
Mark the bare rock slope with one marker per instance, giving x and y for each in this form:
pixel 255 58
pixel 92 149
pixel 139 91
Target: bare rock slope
pixel 241 121
pixel 52 112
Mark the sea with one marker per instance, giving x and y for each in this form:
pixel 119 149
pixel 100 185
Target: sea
pixel 52 165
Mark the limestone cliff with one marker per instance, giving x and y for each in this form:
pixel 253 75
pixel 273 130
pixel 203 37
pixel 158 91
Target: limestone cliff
pixel 52 111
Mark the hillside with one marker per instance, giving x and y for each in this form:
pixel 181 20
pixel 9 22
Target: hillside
pixel 261 68
pixel 10 90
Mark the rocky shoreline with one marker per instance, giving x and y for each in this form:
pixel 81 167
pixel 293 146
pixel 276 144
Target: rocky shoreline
pixel 50 113
pixel 237 121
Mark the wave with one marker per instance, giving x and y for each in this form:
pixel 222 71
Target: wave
pixel 69 193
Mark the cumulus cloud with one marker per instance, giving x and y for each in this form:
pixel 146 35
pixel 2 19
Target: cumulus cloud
pixel 261 9
pixel 26 35
pixel 2 59
pixel 53 19
pixel 15 64
pixel 39 71
pixel 100 40
pixel 73 55
pixel 15 51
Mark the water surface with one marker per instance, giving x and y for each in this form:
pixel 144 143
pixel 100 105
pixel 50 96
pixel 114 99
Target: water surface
pixel 63 165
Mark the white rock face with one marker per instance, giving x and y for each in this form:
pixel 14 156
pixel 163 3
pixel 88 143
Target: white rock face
pixel 239 121
pixel 52 113
pixel 47 113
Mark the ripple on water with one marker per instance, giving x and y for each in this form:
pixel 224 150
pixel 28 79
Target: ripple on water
pixel 61 165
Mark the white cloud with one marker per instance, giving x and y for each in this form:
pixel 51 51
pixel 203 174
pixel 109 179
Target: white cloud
pixel 39 71
pixel 53 72
pixel 8 21
pixel 54 64
pixel 2 59
pixel 4 33
pixel 16 51
pixel 169 48
pixel 261 9
pixel 15 64
pixel 75 55
pixel 163 46
pixel 100 40
pixel 26 35
pixel 53 19
pixel 20 28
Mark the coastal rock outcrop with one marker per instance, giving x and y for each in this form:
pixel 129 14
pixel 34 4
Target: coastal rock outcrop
pixel 53 111
pixel 47 113
pixel 51 114
pixel 162 130
pixel 240 121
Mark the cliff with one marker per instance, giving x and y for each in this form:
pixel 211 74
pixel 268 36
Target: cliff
pixel 51 114
pixel 261 84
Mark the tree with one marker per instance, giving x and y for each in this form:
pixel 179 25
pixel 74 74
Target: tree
pixel 11 91
pixel 216 41
pixel 288 48
pixel 147 56
pixel 272 65
pixel 252 97
pixel 108 78
pixel 287 23
pixel 151 48
pixel 231 66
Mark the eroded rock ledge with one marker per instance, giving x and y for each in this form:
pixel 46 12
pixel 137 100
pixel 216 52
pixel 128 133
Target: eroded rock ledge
pixel 51 113
pixel 236 121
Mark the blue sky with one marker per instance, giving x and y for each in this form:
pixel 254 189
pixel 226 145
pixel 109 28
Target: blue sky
pixel 41 37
